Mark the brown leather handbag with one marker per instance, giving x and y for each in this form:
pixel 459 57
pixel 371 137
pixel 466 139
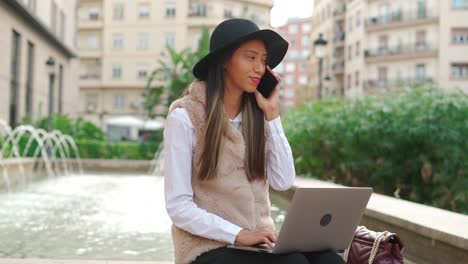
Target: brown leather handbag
pixel 369 247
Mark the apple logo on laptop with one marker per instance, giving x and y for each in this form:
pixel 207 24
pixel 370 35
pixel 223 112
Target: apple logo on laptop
pixel 325 220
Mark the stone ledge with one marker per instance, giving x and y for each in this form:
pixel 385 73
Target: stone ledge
pixel 118 165
pixel 426 228
pixel 435 223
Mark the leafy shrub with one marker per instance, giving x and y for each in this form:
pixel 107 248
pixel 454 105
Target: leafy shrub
pixel 410 144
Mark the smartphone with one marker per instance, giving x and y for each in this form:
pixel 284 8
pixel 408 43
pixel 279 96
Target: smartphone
pixel 267 84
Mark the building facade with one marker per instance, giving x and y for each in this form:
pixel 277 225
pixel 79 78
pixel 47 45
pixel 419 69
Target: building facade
pixel 387 44
pixel 34 32
pixel 295 66
pixel 121 41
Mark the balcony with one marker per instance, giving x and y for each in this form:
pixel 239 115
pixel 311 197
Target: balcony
pixel 198 16
pixel 339 13
pixel 372 85
pixel 400 19
pixel 338 67
pixel 339 39
pixel 401 52
pixel 84 24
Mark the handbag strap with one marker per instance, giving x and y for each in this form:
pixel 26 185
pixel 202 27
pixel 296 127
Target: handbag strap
pixel 375 246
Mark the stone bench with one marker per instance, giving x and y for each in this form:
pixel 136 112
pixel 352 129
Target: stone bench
pixel 431 235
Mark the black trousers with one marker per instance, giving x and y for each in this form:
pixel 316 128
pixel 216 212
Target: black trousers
pixel 228 255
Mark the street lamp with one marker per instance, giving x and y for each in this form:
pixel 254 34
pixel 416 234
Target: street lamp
pixel 320 49
pixel 50 66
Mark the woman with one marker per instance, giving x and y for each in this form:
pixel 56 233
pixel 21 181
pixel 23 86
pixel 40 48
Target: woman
pixel 224 147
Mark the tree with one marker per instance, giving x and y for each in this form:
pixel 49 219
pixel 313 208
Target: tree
pixel 173 74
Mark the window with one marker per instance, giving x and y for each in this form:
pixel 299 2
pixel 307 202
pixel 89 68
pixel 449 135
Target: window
pixel 460 4
pixel 294 54
pixel 118 13
pixel 460 71
pixel 142 71
pixel 91 102
pixel 289 93
pixel 14 70
pixel 460 35
pixel 382 76
pixel 117 41
pixel 303 80
pixel 170 10
pixel 93 42
pixel 53 17
pixel 383 45
pixel 143 41
pixel 118 101
pixel 60 89
pixel 358 49
pixel 421 8
pixel 289 79
pixel 32 5
pixel 292 29
pixel 116 72
pixel 420 71
pixel 170 40
pixel 350 24
pixel 290 67
pixel 421 40
pixel 228 11
pixel 63 24
pixel 197 10
pixel 305 40
pixel 356 79
pixel 29 80
pixel 306 28
pixel 358 19
pixel 196 41
pixel 350 52
pixel 93 13
pixel 349 81
pixel 144 11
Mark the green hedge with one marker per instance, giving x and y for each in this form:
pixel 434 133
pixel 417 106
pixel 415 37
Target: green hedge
pixel 411 144
pixel 92 149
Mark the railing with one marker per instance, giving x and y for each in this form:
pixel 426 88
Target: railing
pixel 338 66
pixel 381 84
pixel 90 76
pixel 339 11
pixel 400 49
pixel 339 37
pixel 400 16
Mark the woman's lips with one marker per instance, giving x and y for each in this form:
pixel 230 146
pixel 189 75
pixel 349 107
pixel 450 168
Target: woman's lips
pixel 255 80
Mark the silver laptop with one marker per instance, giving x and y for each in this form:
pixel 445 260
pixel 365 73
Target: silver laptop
pixel 319 219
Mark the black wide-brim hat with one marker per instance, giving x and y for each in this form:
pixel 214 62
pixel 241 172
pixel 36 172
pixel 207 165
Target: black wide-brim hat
pixel 232 32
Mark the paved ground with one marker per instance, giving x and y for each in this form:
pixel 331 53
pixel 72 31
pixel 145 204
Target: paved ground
pixel 49 261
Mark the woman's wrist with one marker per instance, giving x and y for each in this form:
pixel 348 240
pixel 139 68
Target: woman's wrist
pixel 271 115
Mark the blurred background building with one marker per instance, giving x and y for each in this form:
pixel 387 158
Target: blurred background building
pixel 33 33
pixel 121 41
pixel 294 68
pixel 374 45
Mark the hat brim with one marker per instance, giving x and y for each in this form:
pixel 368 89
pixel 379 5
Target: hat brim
pixel 276 46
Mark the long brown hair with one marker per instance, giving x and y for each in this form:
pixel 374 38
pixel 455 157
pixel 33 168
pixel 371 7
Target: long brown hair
pixel 253 126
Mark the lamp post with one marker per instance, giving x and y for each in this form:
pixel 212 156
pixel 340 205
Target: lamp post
pixel 50 65
pixel 320 48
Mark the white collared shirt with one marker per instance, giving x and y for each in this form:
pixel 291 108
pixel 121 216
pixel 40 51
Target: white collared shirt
pixel 179 142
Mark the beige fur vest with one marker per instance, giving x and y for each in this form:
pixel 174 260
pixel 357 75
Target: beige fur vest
pixel 230 195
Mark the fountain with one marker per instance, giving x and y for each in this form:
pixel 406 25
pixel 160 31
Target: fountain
pixel 157 163
pixel 52 148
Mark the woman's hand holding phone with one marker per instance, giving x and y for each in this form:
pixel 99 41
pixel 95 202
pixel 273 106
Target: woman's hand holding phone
pixel 269 105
